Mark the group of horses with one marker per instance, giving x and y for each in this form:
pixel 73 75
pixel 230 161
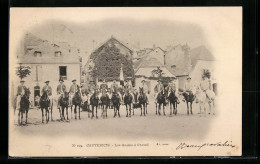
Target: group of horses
pixel 105 100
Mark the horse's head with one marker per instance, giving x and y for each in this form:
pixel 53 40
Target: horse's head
pixel 65 95
pixel 44 95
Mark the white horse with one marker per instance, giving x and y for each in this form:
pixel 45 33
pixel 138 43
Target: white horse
pixel 203 98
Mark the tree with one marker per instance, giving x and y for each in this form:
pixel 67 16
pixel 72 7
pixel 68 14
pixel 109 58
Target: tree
pixel 23 71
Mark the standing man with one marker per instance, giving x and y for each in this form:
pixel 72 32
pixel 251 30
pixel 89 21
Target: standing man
pixel 145 89
pixel 205 86
pixel 158 88
pixel 61 89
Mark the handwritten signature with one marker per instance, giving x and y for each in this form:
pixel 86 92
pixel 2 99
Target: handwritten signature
pixel 183 145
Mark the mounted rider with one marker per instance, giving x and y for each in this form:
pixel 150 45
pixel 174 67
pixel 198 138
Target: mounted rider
pixel 92 87
pixel 158 88
pixel 103 88
pixel 173 87
pixel 114 88
pixel 21 90
pixel 47 89
pixel 145 89
pixel 128 88
pixel 188 86
pixel 61 89
pixel 73 89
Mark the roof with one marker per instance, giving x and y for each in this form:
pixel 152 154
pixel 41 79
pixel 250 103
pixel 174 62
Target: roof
pixel 99 49
pixel 200 53
pixel 30 59
pixel 142 58
pixel 147 72
pixel 32 40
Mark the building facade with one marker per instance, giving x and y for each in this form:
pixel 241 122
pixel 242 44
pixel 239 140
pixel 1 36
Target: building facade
pixel 48 62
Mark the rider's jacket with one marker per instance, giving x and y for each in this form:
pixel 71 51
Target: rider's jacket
pixel 61 88
pixel 73 88
pixel 158 88
pixel 47 89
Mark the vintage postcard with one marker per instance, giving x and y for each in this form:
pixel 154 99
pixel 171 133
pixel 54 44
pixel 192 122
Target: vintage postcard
pixel 139 81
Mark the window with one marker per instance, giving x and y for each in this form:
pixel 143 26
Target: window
pixel 37 53
pixel 57 53
pixel 63 72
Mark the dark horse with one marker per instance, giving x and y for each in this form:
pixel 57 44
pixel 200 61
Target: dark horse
pixel 64 103
pixel 76 101
pixel 161 100
pixel 189 98
pixel 116 103
pixel 24 107
pixel 94 102
pixel 173 101
pixel 104 103
pixel 45 104
pixel 128 99
pixel 142 98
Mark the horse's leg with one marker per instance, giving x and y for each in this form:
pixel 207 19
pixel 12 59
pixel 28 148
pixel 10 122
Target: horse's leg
pixel 42 115
pixel 118 108
pixel 96 112
pixel 126 110
pixel 213 105
pixel 67 113
pixel 163 109
pixel 159 109
pixel 26 116
pixel 19 123
pixel 106 110
pixel 156 108
pixel 46 115
pixel 21 118
pixel 170 108
pixel 93 108
pixel 75 111
pixel 176 103
pixel 187 107
pixel 191 107
pixel 79 112
pixel 130 110
pixel 146 108
pixel 51 109
pixel 71 110
pixel 141 109
pixel 115 110
pixel 62 113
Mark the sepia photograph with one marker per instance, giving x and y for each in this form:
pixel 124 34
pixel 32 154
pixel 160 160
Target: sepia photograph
pixel 139 81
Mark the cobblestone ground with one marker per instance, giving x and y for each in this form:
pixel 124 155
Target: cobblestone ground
pixel 151 125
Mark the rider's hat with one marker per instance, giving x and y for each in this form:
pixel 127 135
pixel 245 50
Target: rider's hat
pixel 188 77
pixel 159 80
pixel 143 81
pixel 22 81
pixel 61 80
pixel 126 80
pixel 74 80
pixel 47 81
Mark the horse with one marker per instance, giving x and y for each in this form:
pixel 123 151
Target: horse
pixel 76 101
pixel 173 101
pixel 128 101
pixel 45 104
pixel 161 100
pixel 202 99
pixel 116 103
pixel 24 107
pixel 94 102
pixel 142 99
pixel 64 103
pixel 189 98
pixel 104 103
pixel 136 104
